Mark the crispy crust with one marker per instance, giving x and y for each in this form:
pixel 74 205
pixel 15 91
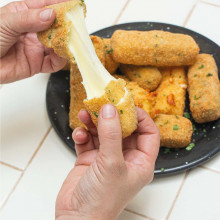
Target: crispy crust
pixel 110 65
pixel 142 97
pixel 146 76
pixel 156 48
pixel 170 137
pixel 126 110
pixel 57 36
pixel 99 48
pixel 171 92
pixel 77 95
pixel 204 89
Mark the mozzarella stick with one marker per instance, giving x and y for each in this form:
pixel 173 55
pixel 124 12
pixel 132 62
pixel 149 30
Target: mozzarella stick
pixel 77 95
pixel 175 131
pixel 156 48
pixel 147 77
pixel 110 65
pixel 204 89
pixel 171 92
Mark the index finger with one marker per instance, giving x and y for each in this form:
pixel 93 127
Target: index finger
pixel 148 140
pixel 42 3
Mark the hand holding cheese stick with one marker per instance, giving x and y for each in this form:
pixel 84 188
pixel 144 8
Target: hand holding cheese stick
pixel 107 172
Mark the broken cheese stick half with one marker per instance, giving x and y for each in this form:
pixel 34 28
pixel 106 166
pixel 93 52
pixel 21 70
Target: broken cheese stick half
pixel 101 88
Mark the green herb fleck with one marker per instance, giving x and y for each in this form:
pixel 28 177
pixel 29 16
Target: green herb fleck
pixel 166 151
pixel 190 146
pixel 166 122
pixel 109 51
pixel 62 39
pixel 106 46
pixel 96 115
pixel 162 169
pixel 195 75
pixel 175 127
pixel 201 66
pixel 113 100
pixel 196 98
pixel 209 74
pixel 121 111
pixel 177 117
pixel 156 60
pixel 156 45
pixel 186 115
pixel 49 37
pixel 56 20
pixel 204 130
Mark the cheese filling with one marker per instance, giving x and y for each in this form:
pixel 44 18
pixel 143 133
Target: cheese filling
pixel 95 76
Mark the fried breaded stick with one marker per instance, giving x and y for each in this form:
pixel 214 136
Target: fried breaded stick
pixel 146 76
pixel 110 64
pixel 78 46
pixel 57 36
pixel 121 98
pixel 77 95
pixel 155 48
pixel 171 92
pixel 175 131
pixel 204 89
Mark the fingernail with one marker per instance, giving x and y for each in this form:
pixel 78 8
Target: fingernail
pixel 108 111
pixel 79 133
pixel 46 14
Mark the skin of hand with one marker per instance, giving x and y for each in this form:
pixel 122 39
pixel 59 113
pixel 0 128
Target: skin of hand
pixel 108 171
pixel 21 54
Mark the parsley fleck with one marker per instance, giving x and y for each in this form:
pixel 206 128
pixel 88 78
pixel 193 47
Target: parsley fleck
pixel 156 60
pixel 62 39
pixel 204 130
pixel 162 169
pixel 96 115
pixel 175 127
pixel 190 146
pixel 166 151
pixel 56 20
pixel 49 37
pixel 113 100
pixel 186 115
pixel 209 74
pixel 201 66
pixel 196 98
pixel 166 122
pixel 156 45
pixel 177 117
pixel 121 111
pixel 195 75
pixel 109 51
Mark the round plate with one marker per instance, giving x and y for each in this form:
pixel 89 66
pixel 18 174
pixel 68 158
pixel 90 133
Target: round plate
pixel 206 136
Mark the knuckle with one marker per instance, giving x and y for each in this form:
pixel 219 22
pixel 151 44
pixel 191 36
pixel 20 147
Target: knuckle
pixel 111 135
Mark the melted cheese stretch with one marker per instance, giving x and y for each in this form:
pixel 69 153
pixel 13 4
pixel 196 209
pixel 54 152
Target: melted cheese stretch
pixel 95 76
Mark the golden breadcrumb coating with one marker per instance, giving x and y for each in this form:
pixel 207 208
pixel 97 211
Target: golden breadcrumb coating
pixel 147 77
pixel 57 36
pixel 114 93
pixel 142 97
pixel 175 131
pixel 110 65
pixel 171 92
pixel 77 95
pixel 155 48
pixel 203 89
pixel 99 48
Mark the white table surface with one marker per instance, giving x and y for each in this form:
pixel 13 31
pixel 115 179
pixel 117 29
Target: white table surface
pixel 34 161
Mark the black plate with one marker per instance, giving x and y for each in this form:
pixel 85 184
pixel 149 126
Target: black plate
pixel 206 137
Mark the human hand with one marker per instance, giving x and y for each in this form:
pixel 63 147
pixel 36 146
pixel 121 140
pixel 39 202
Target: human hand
pixel 108 171
pixel 21 54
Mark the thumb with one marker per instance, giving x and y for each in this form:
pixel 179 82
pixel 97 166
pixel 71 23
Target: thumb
pixel 12 25
pixel 109 132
